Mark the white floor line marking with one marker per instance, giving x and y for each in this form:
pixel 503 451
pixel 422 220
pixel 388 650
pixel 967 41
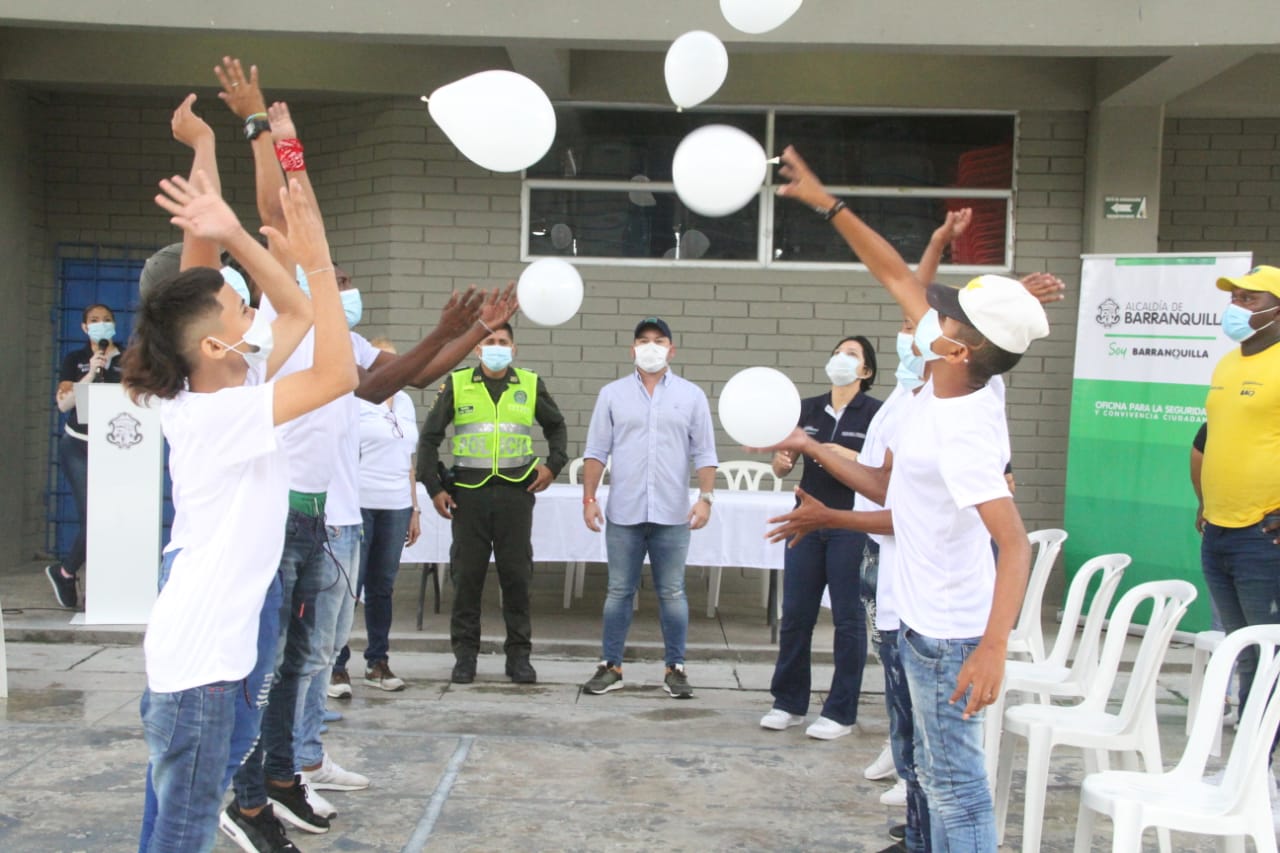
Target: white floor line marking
pixel 427 823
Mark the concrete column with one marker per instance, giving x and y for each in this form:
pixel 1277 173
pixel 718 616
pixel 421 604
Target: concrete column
pixel 14 232
pixel 1123 159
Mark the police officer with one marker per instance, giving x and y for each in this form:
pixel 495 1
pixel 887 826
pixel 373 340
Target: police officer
pixel 490 500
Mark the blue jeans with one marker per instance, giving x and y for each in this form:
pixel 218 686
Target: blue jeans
pixel 1242 571
pixel 825 558
pixel 380 550
pixel 305 569
pixel 948 749
pixel 667 546
pixel 335 605
pixel 247 721
pixel 897 702
pixel 73 459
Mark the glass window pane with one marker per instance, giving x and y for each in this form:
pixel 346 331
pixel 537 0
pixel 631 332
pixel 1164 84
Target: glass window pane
pixel 903 150
pixel 616 144
pixel 907 223
pixel 637 224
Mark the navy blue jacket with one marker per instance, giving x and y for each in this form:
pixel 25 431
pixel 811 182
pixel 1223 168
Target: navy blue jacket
pixel 850 432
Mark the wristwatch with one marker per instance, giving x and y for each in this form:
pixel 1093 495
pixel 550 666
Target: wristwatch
pixel 255 126
pixel 709 497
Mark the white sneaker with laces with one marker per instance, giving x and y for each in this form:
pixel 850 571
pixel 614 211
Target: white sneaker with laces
pixel 330 777
pixel 779 720
pixel 895 796
pixel 319 804
pixel 882 767
pixel 825 728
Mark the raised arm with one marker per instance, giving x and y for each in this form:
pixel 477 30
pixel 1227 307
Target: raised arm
pixel 193 132
pixel 865 480
pixel 881 259
pixel 944 235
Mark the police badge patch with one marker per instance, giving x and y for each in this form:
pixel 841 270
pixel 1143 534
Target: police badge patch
pixel 521 397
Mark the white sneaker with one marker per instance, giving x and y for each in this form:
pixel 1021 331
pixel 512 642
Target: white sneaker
pixel 824 728
pixel 319 804
pixel 882 767
pixel 895 796
pixel 330 777
pixel 779 720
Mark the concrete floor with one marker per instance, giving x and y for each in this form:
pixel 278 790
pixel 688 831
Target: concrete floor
pixel 495 766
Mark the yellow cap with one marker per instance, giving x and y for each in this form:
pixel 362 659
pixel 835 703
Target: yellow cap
pixel 1265 279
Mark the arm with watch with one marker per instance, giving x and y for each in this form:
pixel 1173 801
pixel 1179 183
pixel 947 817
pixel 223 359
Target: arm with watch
pixel 700 513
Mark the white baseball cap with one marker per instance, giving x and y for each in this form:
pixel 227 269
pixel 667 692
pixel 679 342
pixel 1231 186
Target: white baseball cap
pixel 998 307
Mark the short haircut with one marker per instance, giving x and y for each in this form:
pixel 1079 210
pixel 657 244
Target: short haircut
pixel 156 364
pixel 868 356
pixel 985 358
pixel 84 317
pixel 507 326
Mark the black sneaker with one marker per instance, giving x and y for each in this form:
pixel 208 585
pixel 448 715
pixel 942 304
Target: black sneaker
pixel 64 588
pixel 521 671
pixel 292 805
pixel 464 671
pixel 898 832
pixel 607 677
pixel 676 683
pixel 257 834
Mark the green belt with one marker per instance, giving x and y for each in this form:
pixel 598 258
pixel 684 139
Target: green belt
pixel 307 503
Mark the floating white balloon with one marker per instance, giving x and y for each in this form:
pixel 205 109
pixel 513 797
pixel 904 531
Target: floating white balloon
pixel 758 16
pixel 696 66
pixel 759 407
pixel 499 120
pixel 549 291
pixel 717 170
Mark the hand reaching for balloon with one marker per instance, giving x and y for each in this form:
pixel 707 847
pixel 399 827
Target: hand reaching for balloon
pixel 188 128
pixel 460 311
pixel 499 306
pixel 197 208
pixel 240 92
pixel 1044 286
pixel 956 223
pixel 802 184
pixel 282 126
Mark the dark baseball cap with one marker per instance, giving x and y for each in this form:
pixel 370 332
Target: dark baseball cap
pixel 653 323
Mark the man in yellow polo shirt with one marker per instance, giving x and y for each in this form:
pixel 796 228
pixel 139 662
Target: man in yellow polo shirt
pixel 1240 475
pixel 490 500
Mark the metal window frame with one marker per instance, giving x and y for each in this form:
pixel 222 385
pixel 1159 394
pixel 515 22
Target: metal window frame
pixel 765 218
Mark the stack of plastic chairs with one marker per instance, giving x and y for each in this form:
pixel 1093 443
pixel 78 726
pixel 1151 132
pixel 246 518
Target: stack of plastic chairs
pixel 983 243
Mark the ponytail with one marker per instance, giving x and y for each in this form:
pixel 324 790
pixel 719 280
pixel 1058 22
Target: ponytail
pixel 156 363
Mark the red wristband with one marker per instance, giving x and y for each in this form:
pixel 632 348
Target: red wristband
pixel 289 153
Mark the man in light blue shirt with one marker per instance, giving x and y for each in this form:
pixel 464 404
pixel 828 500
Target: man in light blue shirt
pixel 649 426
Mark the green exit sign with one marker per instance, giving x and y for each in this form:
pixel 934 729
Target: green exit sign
pixel 1125 207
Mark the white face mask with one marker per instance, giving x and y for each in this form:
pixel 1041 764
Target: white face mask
pixel 651 357
pixel 258 337
pixel 842 369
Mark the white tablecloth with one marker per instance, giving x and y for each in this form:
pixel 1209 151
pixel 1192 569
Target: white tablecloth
pixel 733 537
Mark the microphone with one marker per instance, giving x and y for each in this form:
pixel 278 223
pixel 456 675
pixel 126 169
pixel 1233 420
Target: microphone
pixel 102 348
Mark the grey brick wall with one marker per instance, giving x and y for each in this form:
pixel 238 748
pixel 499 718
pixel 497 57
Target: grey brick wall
pixel 412 221
pixel 1220 187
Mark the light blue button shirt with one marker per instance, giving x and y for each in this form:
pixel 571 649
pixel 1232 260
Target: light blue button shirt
pixel 652 441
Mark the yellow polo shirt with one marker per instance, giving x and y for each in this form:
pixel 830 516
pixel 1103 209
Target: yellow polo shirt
pixel 1241 474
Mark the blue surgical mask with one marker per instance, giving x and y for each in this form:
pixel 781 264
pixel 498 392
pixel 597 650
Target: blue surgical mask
pixel 1235 322
pixel 102 331
pixel 352 305
pixel 910 372
pixel 237 283
pixel 928 330
pixel 495 357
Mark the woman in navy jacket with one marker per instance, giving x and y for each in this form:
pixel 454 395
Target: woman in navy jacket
pixel 826 558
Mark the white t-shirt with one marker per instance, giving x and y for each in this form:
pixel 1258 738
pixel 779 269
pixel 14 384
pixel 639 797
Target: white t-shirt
pixel 949 456
pixel 388 439
pixel 343 502
pixel 231 497
pixel 314 441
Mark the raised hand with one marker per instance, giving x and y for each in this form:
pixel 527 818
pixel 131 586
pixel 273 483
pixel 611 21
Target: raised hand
pixel 240 92
pixel 461 311
pixel 499 306
pixel 796 443
pixel 197 208
pixel 953 226
pixel 188 128
pixel 1044 286
pixel 306 241
pixel 802 184
pixel 282 126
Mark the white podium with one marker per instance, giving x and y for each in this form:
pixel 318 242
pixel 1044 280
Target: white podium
pixel 125 507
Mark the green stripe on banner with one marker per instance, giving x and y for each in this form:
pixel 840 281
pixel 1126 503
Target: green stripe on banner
pixel 1166 262
pixel 1128 488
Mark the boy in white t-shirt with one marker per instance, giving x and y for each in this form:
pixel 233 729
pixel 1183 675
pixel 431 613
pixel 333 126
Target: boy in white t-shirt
pixel 205 355
pixel 948 500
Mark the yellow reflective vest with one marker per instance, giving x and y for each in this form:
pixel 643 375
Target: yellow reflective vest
pixel 489 436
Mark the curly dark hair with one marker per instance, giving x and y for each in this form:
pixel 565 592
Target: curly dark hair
pixel 156 364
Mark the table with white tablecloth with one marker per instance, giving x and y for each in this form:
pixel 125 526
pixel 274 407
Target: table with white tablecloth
pixel 734 537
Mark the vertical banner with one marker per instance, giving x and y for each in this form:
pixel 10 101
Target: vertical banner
pixel 1147 341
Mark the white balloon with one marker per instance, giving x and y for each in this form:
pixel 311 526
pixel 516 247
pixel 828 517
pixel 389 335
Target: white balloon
pixel 696 66
pixel 717 170
pixel 758 16
pixel 499 120
pixel 759 407
pixel 549 291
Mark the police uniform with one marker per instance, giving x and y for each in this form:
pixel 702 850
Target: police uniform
pixel 493 466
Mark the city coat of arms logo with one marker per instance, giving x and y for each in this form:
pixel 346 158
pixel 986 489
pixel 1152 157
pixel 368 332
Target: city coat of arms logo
pixel 1108 313
pixel 125 432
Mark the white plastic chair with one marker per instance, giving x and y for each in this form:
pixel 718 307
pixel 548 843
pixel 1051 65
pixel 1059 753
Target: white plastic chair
pixel 1053 676
pixel 741 475
pixel 1206 643
pixel 1089 725
pixel 575 574
pixel 1182 799
pixel 1027 637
